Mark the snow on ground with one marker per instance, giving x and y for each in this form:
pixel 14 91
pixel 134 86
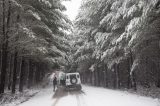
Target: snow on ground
pixel 43 98
pixel 105 97
pixel 89 96
pixel 10 99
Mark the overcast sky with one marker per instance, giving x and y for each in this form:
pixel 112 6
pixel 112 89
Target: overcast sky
pixel 72 8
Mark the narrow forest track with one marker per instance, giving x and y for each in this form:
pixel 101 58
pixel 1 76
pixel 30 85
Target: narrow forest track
pixel 60 93
pixel 89 96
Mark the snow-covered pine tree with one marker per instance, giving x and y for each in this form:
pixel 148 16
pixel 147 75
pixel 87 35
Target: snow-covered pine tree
pixel 117 31
pixel 39 39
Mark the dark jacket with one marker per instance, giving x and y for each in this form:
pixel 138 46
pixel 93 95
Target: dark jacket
pixel 55 81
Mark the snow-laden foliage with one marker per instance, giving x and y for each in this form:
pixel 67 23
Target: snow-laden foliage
pixel 44 25
pixel 33 40
pixel 123 34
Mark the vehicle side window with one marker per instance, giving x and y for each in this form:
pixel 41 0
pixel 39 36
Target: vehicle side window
pixel 67 77
pixel 77 76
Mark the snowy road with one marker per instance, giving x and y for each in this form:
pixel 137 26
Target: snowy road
pixel 89 96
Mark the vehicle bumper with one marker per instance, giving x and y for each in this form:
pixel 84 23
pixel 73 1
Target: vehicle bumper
pixel 70 87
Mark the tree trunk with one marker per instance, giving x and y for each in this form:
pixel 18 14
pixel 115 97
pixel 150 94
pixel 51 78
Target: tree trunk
pixel 116 67
pixel 30 75
pixel 14 73
pixel 129 76
pixel 34 73
pixel 98 77
pixel 42 67
pixel 15 60
pixel 42 72
pixel 114 79
pixel 38 73
pixel 132 75
pixel 95 78
pixel 21 84
pixel 134 85
pixel 105 76
pixel 4 48
pixel 90 78
pixel 7 31
pixel 158 74
pixel 158 83
pixel 10 73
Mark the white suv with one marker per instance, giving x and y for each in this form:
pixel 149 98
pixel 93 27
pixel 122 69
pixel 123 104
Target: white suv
pixel 73 81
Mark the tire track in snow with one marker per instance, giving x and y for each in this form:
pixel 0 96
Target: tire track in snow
pixel 56 101
pixel 80 99
pixel 78 95
pixel 58 95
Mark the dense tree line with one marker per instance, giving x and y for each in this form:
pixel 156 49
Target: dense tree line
pixel 33 41
pixel 117 43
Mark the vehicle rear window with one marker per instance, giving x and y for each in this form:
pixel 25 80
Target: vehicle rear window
pixel 73 76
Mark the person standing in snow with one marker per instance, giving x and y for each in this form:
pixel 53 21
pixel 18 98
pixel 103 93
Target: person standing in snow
pixel 54 83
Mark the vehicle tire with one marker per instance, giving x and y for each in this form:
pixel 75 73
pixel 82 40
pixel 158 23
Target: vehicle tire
pixel 73 81
pixel 66 89
pixel 79 87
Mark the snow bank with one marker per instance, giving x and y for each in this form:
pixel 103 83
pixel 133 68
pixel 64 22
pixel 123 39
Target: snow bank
pixel 9 99
pixel 43 98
